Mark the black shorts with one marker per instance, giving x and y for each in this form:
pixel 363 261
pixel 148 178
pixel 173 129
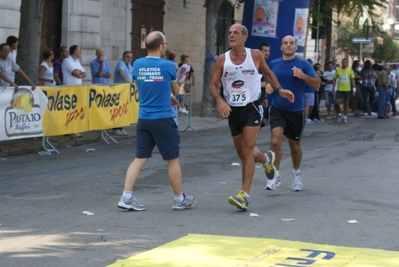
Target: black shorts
pixel 345 95
pixel 160 132
pixel 292 122
pixel 240 117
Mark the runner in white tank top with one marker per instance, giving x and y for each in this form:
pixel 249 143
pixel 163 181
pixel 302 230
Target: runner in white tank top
pixel 241 83
pixel 238 71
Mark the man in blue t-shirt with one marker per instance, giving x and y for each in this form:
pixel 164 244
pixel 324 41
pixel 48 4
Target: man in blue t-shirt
pixel 123 74
pixel 156 81
pixel 99 67
pixel 287 118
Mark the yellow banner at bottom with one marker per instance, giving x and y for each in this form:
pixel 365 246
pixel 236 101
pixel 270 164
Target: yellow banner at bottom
pixel 213 251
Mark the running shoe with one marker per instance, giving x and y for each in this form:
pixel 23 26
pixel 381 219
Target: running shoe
pixel 297 181
pixel 240 200
pixel 187 203
pixel 271 184
pixel 130 204
pixel 270 170
pixel 278 181
pixel 339 118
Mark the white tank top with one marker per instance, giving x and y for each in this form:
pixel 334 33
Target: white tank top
pixel 241 83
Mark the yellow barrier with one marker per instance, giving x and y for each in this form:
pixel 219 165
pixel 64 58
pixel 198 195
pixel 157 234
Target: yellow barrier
pixel 72 109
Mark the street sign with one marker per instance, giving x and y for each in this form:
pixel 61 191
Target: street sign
pixel 368 48
pixel 361 40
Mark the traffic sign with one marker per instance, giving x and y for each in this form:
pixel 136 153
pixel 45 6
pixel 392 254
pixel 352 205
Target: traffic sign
pixel 361 40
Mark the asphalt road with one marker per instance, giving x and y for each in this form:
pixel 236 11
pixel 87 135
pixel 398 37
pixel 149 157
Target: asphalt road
pixel 350 172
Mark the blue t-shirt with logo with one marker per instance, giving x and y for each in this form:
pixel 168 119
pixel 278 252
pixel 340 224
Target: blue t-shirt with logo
pixel 283 71
pixel 153 77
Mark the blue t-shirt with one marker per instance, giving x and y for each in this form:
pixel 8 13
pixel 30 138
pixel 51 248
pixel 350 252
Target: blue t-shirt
pixel 153 77
pixel 283 71
pixel 127 69
pixel 94 67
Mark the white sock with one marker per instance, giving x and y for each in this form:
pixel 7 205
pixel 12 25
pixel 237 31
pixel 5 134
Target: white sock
pixel 277 173
pixel 246 195
pixel 128 194
pixel 296 171
pixel 179 197
pixel 267 159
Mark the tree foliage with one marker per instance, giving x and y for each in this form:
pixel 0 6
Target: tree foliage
pixel 344 44
pixel 362 12
pixel 355 9
pixel 387 51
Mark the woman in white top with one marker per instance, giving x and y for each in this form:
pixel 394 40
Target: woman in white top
pixel 46 69
pixel 181 79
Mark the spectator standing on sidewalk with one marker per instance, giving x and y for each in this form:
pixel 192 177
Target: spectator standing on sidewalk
pixel 12 41
pixel 8 67
pixel 382 88
pixel 182 74
pixel 309 99
pixel 123 74
pixel 57 66
pixel 46 73
pixel 356 100
pixel 345 78
pixel 315 113
pixel 155 125
pixel 238 69
pixel 368 84
pixel 72 71
pixel 99 67
pixel 328 88
pixel 391 90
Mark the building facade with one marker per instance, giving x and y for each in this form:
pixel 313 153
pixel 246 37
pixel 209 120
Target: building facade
pixel 118 25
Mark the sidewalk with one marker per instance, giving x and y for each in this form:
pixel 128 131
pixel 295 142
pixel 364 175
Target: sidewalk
pixel 33 145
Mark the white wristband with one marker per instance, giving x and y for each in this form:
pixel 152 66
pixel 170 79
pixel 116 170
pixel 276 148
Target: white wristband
pixel 354 89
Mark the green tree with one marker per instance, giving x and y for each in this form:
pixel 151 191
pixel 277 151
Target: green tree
pixel 356 9
pixel 387 51
pixel 344 40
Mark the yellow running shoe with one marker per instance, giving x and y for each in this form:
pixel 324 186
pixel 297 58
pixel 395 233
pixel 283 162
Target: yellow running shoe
pixel 270 170
pixel 240 200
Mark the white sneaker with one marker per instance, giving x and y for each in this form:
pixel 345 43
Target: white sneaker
pixel 345 119
pixel 271 184
pixel 117 132
pixel 278 181
pixel 309 121
pixel 183 110
pixel 78 135
pixel 124 133
pixel 297 181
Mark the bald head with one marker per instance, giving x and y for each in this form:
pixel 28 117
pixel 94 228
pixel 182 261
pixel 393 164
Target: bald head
pixel 100 53
pixel 288 38
pixel 154 40
pixel 243 29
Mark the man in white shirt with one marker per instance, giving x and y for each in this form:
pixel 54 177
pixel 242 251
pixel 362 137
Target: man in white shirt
pixel 328 88
pixel 72 70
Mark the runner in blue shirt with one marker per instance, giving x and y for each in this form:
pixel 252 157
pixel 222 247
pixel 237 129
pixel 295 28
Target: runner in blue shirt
pixel 286 118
